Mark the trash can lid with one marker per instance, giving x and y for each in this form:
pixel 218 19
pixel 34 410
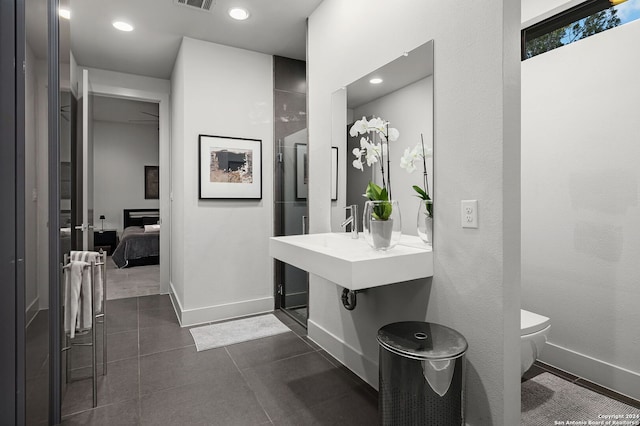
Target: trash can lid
pixel 422 340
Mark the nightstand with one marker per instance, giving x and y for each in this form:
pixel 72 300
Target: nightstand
pixel 106 240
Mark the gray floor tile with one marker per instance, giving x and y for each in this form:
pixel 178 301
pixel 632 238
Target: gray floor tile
pixel 119 346
pixel 122 305
pixel 291 323
pixel 297 383
pixel 122 320
pixel 353 376
pixel 180 367
pixel 357 408
pixel 121 414
pixel 158 301
pixel 224 401
pixel 269 349
pixel 157 317
pixel 120 384
pixel 164 338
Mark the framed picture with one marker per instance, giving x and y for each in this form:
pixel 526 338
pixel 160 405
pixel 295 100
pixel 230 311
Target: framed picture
pixel 302 171
pixel 230 168
pixel 334 173
pixel 151 185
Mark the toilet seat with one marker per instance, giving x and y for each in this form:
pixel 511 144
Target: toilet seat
pixel 532 323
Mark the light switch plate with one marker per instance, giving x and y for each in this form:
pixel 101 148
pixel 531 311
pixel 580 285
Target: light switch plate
pixel 469 213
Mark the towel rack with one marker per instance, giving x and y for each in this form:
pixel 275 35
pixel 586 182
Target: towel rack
pixel 98 317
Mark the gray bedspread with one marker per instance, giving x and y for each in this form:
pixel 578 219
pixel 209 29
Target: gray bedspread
pixel 136 244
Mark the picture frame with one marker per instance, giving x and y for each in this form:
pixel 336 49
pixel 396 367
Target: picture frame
pixel 229 168
pixel 334 173
pixel 302 171
pixel 151 183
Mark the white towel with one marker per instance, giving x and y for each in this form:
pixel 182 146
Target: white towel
pixel 92 256
pixel 75 276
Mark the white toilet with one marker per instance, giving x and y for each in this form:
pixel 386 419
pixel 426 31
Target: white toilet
pixel 534 330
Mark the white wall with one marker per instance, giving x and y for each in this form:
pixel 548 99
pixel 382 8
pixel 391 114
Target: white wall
pixel 534 11
pixel 120 152
pixel 580 190
pixel 475 289
pixel 223 245
pixel 410 110
pixel 178 83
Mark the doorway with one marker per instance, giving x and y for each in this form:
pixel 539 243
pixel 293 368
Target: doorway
pixel 126 197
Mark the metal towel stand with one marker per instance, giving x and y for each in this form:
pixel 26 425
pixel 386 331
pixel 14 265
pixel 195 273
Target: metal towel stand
pixel 98 318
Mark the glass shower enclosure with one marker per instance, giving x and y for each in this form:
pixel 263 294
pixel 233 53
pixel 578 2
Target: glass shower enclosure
pixel 291 179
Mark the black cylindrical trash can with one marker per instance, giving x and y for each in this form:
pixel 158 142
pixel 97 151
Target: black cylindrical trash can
pixel 421 374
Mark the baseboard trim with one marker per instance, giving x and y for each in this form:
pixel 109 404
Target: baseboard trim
pixel 610 376
pixel 207 314
pixel 32 310
pixel 350 357
pixel 177 306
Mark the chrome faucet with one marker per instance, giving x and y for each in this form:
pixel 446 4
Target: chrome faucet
pixel 352 220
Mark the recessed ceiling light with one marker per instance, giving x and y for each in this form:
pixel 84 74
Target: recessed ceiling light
pixel 122 26
pixel 375 80
pixel 238 13
pixel 64 13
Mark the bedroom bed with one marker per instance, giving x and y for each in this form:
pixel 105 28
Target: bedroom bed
pixel 138 247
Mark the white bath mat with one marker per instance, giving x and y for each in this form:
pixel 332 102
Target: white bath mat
pixel 242 330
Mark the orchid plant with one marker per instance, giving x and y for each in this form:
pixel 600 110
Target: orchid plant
pixel 408 162
pixel 373 153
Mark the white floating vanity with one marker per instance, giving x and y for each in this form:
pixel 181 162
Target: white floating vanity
pixel 352 263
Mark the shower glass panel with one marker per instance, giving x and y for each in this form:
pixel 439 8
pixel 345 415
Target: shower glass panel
pixel 291 169
pixel 36 207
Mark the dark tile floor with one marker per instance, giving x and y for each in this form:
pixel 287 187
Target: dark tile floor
pixel 540 367
pixel 156 377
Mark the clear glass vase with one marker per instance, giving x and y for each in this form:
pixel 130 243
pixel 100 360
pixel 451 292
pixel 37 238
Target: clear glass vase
pixel 425 221
pixel 382 225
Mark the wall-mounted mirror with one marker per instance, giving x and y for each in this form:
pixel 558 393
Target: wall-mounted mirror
pixel 400 92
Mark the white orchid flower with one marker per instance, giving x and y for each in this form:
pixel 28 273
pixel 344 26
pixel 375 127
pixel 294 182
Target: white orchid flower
pixel 359 127
pixel 373 153
pixel 378 125
pixel 394 134
pixel 357 163
pixel 408 160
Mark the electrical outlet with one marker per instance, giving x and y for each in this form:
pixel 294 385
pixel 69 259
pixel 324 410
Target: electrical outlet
pixel 469 213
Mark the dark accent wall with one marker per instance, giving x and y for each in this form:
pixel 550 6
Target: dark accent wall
pixel 11 193
pixel 290 117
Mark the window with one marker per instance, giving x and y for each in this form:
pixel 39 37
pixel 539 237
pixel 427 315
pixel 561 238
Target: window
pixel 584 20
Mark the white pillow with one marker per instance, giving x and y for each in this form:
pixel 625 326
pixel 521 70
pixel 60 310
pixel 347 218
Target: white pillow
pixel 152 228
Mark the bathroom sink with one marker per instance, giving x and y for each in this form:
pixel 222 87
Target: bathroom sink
pixel 352 263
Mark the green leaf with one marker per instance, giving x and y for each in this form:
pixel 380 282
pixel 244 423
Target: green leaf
pixel 422 193
pixel 376 193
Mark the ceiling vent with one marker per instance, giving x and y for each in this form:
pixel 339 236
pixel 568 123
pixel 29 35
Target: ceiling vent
pixel 205 5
